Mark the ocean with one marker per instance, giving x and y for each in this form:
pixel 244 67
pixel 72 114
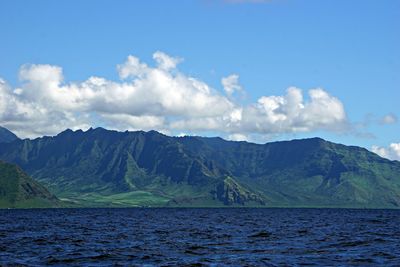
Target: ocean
pixel 199 237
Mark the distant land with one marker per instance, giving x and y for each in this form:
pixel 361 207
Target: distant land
pixel 104 168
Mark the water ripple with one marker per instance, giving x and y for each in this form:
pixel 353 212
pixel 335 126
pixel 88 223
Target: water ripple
pixel 199 237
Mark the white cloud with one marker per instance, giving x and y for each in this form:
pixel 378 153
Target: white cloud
pixel 238 137
pixel 165 62
pixel 290 113
pixel 157 97
pixel 389 119
pixel 392 152
pixel 231 84
pixel 182 134
pixel 132 68
pixel 134 123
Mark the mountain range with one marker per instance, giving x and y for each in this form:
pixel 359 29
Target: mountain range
pixel 101 167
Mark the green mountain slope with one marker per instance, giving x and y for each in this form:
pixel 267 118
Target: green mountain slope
pixel 310 172
pixel 108 168
pixel 17 190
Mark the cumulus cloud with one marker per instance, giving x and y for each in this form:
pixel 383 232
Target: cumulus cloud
pixel 291 113
pixel 132 68
pixel 392 152
pixel 231 84
pixel 166 62
pixel 157 97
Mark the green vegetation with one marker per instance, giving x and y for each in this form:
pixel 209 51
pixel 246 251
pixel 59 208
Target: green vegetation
pixel 17 190
pixel 108 168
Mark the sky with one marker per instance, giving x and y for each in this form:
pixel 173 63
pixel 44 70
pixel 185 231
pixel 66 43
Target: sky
pixel 241 69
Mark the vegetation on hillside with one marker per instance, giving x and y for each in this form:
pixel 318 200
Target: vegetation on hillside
pixel 109 168
pixel 17 190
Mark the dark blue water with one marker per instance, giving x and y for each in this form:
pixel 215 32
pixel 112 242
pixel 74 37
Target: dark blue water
pixel 209 237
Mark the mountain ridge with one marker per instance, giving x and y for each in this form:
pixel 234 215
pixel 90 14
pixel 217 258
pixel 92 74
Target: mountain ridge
pixel 6 136
pixel 110 168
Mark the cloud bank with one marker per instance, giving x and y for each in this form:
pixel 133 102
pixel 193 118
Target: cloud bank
pixel 158 97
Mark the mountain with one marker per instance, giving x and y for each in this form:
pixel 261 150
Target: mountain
pixel 6 136
pixel 18 190
pixel 109 168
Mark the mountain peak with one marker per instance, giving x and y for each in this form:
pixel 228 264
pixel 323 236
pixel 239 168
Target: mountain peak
pixel 96 129
pixel 6 136
pixel 66 131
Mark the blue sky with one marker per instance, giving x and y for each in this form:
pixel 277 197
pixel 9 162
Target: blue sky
pixel 350 49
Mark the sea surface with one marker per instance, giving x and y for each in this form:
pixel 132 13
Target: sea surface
pixel 199 237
